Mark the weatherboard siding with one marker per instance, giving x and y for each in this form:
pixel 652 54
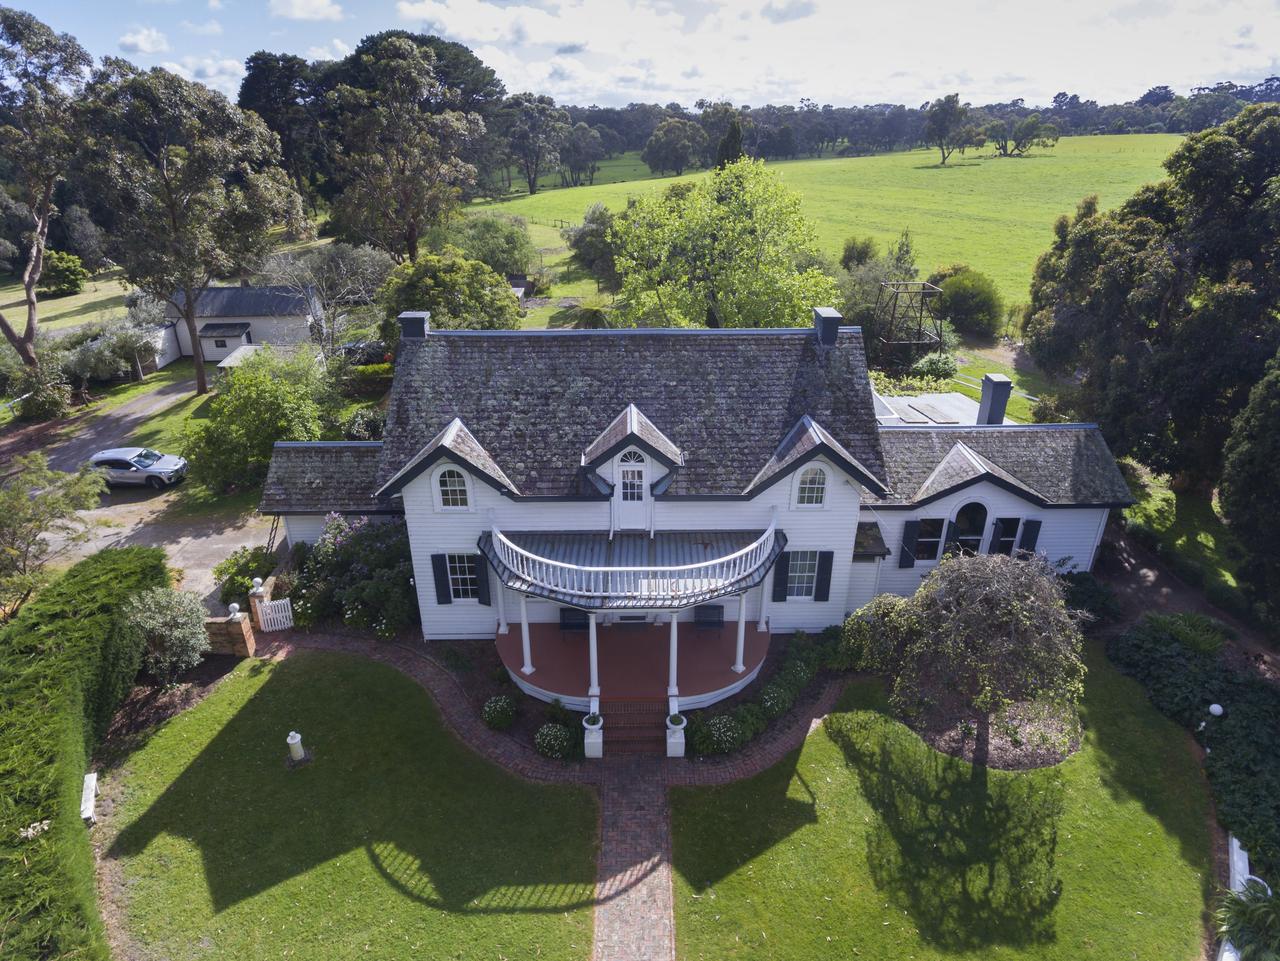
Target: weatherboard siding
pixel 264 330
pixel 303 528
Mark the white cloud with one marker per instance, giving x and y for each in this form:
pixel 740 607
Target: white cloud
pixel 210 28
pixel 306 9
pixel 334 50
pixel 220 73
pixel 144 40
pixel 215 4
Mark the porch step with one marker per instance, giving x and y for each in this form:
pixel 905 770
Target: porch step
pixel 652 745
pixel 627 706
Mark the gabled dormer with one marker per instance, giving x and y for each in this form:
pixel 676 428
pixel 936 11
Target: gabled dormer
pixel 805 441
pixel 963 466
pixel 457 444
pixel 631 429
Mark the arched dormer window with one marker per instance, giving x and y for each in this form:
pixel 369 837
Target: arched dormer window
pixel 811 487
pixel 451 487
pixel 970 525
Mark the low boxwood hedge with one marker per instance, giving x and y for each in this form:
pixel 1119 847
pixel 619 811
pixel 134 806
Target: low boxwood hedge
pixel 64 669
pixel 1176 659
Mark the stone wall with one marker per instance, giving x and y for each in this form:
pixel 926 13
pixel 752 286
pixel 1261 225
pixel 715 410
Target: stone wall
pixel 230 635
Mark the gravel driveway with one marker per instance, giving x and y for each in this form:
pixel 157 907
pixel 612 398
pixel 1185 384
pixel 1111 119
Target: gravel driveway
pixel 115 427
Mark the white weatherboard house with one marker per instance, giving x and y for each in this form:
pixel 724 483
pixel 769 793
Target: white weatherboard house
pixel 632 514
pixel 232 317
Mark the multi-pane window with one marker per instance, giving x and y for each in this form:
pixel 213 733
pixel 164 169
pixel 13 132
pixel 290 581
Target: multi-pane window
pixel 631 476
pixel 970 525
pixel 1005 535
pixel 929 539
pixel 453 488
pixel 802 574
pixel 464 582
pixel 812 489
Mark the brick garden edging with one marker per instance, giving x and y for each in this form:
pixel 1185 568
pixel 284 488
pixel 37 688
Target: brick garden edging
pixel 634 915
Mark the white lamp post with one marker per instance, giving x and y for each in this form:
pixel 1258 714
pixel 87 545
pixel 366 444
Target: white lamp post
pixel 296 753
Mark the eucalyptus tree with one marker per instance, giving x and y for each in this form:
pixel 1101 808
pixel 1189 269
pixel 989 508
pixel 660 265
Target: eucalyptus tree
pixel 538 131
pixel 400 150
pixel 42 74
pixel 193 184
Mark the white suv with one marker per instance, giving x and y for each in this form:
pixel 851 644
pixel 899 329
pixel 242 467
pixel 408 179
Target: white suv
pixel 139 465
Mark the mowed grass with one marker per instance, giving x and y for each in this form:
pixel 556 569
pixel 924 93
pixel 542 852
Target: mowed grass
pixel 396 841
pixel 995 214
pixel 101 299
pixel 866 843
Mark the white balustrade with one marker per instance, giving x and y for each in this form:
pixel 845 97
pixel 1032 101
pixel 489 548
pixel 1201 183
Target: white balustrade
pixel 654 584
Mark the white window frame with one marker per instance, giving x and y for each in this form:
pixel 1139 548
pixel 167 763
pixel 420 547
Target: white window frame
pixel 633 460
pixel 984 535
pixel 942 540
pixel 438 494
pixel 455 566
pixel 810 575
pixel 797 484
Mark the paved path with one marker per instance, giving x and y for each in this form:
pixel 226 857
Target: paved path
pixel 114 427
pixel 634 917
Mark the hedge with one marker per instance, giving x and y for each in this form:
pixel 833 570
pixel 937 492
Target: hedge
pixel 1174 659
pixel 64 669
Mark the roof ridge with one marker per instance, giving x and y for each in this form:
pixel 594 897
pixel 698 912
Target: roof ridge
pixel 1081 425
pixel 806 330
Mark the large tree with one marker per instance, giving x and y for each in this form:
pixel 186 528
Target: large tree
pixel 946 124
pixel 401 150
pixel 675 145
pixel 1166 308
pixel 580 156
pixel 1251 485
pixel 343 281
pixel 41 76
pixel 731 250
pixel 192 182
pixel 538 131
pixel 281 89
pixel 460 293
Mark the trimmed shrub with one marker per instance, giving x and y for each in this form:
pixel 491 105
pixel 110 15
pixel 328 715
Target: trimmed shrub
pixel 499 712
pixel 1169 658
pixel 63 274
pixel 751 720
pixel 554 741
pixel 169 626
pixel 64 669
pixel 936 366
pixel 971 302
pixel 235 574
pixel 872 636
pixel 775 700
pixel 720 734
pixel 557 713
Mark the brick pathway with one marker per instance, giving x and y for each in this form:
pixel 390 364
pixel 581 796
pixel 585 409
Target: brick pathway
pixel 634 917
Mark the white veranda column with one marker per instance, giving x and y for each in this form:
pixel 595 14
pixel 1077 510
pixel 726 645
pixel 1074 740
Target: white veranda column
pixel 524 637
pixel 738 666
pixel 763 623
pixel 502 608
pixel 672 689
pixel 594 690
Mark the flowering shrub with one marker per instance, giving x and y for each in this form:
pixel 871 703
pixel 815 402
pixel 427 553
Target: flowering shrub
pixel 720 734
pixel 775 700
pixel 499 712
pixel 235 574
pixel 170 625
pixel 360 573
pixel 553 741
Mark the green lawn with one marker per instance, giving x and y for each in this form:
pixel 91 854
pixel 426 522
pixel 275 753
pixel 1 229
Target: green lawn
pixel 994 214
pixel 975 359
pixel 101 299
pixel 868 844
pixel 395 842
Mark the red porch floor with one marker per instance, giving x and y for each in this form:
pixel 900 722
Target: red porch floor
pixel 633 659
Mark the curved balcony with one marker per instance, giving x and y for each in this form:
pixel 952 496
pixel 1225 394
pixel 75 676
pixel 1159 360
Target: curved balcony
pixel 667 571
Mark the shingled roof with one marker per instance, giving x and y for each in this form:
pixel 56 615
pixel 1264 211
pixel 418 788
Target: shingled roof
pixel 267 301
pixel 322 476
pixel 535 401
pixel 1051 464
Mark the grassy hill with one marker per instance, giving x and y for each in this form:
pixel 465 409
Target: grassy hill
pixel 995 214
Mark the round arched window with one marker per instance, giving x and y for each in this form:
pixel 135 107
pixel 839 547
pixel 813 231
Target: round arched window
pixel 453 488
pixel 631 457
pixel 812 489
pixel 970 524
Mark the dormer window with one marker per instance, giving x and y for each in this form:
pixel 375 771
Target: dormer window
pixel 451 489
pixel 811 487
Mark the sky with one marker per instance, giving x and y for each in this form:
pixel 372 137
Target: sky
pixel 613 52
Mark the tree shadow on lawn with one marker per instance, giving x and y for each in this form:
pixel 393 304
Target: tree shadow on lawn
pixel 969 853
pixel 439 823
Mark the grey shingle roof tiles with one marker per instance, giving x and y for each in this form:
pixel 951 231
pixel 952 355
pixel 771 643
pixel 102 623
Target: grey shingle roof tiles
pixel 323 476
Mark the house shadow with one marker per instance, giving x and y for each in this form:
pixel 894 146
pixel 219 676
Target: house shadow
pixel 428 813
pixel 968 853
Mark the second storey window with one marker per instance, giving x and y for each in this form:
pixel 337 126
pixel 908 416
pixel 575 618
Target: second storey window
pixel 802 575
pixel 631 476
pixel 812 488
pixel 929 539
pixel 464 582
pixel 453 489
pixel 1005 535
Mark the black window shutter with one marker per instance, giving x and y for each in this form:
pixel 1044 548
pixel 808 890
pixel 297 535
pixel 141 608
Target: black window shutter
pixel 949 537
pixel 482 580
pixel 440 570
pixel 907 556
pixel 1030 534
pixel 997 532
pixel 822 587
pixel 781 569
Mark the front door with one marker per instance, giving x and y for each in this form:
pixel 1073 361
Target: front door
pixel 631 492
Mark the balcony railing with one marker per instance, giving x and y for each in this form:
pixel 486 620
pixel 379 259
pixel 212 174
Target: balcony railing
pixel 653 585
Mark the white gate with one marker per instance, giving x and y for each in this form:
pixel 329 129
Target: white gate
pixel 276 615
